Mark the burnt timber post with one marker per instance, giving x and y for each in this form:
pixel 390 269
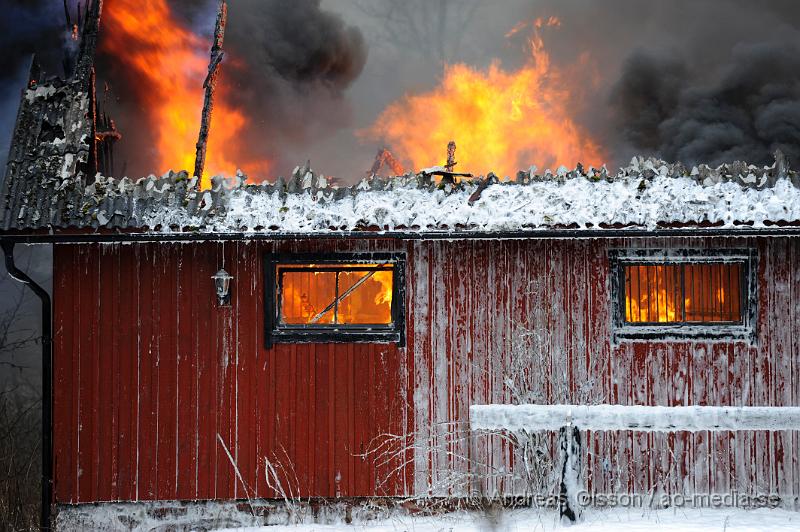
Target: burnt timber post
pixel 210 85
pixel 451 156
pixel 569 446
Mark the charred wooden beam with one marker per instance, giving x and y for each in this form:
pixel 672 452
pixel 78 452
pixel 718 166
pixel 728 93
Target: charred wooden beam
pixel 384 159
pixel 483 185
pixel 448 176
pixel 106 136
pixel 210 85
pixel 108 130
pixel 451 156
pixel 90 168
pixel 68 61
pixel 90 29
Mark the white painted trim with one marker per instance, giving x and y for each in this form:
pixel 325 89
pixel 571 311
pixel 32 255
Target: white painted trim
pixel 637 418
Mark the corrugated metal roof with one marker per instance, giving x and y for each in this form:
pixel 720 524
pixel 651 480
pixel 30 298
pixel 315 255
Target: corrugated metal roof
pixel 645 194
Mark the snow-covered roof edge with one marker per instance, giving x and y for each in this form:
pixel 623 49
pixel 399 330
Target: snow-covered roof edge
pixel 646 194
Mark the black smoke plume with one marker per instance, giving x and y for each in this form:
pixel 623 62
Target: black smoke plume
pixel 701 81
pixel 751 110
pixel 297 60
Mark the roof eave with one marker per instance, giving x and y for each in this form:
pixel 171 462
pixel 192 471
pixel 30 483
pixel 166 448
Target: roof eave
pixel 63 236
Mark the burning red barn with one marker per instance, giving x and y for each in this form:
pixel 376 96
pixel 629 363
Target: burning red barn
pixel 338 353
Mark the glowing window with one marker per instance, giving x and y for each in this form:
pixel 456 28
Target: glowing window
pixel 683 293
pixel 698 294
pixel 351 298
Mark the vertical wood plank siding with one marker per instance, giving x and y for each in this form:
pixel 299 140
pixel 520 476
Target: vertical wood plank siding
pixel 155 385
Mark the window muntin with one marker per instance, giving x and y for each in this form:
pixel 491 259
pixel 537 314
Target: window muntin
pixel 683 293
pixel 668 294
pixel 354 297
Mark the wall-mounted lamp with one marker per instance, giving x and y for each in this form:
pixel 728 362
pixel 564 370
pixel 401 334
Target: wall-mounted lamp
pixel 222 285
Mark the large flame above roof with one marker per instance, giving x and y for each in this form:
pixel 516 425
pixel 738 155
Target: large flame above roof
pixel 172 63
pixel 502 121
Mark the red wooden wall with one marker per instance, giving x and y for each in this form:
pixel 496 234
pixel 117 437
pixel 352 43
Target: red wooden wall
pixel 474 299
pixel 148 373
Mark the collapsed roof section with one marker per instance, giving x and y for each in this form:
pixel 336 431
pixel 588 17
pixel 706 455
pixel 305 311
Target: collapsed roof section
pixel 55 138
pixel 649 194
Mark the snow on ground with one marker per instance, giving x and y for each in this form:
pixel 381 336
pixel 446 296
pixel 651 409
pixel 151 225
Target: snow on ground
pixel 608 520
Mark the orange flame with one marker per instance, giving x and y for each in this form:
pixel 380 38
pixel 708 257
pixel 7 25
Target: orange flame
pixel 538 23
pixel 385 278
pixel 172 62
pixel 502 121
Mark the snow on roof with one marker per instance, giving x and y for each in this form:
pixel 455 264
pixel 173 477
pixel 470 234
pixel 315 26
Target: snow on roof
pixel 647 194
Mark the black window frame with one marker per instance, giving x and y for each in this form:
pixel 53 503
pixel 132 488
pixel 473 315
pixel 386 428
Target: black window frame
pixel 745 329
pixel 275 332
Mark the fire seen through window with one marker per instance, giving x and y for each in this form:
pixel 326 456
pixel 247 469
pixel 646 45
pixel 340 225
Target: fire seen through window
pixel 683 293
pixel 344 294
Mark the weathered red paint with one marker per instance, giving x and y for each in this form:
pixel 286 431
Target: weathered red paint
pixel 151 374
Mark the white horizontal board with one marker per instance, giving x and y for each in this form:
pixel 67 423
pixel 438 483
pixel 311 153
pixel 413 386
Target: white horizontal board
pixel 637 418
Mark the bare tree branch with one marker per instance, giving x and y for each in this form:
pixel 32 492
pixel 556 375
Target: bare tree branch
pixel 434 29
pixel 20 410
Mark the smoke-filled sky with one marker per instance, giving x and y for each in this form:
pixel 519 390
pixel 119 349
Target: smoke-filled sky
pixel 690 80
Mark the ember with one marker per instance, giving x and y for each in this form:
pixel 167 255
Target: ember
pixel 501 120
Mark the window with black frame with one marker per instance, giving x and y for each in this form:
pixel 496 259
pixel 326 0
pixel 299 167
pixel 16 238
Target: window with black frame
pixel 684 294
pixel 339 298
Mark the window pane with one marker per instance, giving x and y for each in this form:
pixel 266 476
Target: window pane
pixel 305 295
pixel 715 294
pixel 661 293
pixel 369 301
pixel 335 294
pixel 734 295
pixel 652 294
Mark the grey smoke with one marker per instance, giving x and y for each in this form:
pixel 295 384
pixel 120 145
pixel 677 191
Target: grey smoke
pixel 295 41
pixel 298 60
